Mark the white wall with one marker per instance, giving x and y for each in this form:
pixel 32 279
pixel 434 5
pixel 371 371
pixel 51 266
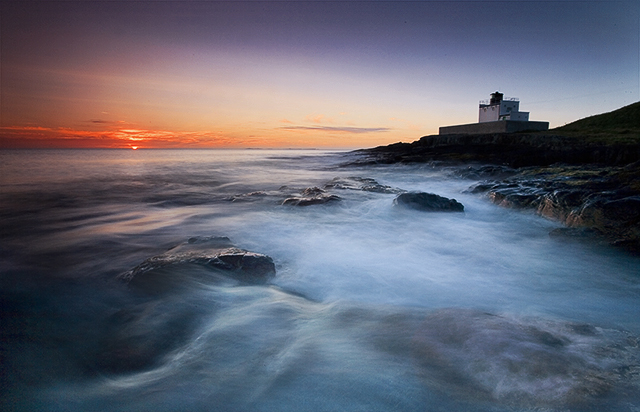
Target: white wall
pixel 506 110
pixel 489 114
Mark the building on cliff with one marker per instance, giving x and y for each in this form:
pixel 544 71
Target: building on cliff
pixel 498 115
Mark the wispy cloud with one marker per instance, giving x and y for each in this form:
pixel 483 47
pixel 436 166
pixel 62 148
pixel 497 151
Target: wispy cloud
pixel 98 121
pixel 118 138
pixel 339 129
pixel 318 118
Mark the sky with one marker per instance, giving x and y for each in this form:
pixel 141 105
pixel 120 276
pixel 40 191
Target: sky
pixel 301 74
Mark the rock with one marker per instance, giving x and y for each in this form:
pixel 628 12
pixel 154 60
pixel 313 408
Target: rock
pixel 602 198
pixel 524 362
pixel 514 195
pixel 211 252
pixel 166 311
pixel 618 219
pixel 360 183
pixel 513 149
pixel 562 203
pixel 484 172
pixel 138 336
pixel 428 202
pixel 311 196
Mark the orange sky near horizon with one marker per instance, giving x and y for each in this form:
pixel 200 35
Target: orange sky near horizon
pixel 42 137
pixel 300 74
pixel 208 105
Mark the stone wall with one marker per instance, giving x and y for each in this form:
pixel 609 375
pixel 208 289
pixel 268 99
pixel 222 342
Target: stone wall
pixel 504 126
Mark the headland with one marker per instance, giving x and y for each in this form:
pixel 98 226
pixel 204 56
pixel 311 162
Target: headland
pixel 585 174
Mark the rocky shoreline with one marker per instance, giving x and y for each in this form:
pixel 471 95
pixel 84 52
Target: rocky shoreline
pixel 511 149
pixel 593 188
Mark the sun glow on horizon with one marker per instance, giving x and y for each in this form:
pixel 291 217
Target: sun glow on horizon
pixel 302 136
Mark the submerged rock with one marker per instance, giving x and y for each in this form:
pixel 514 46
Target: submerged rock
pixel 139 336
pixel 311 196
pixel 210 252
pixel 360 183
pixel 524 361
pixel 176 294
pixel 428 202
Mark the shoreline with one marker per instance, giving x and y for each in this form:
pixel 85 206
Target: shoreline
pixel 592 187
pixel 511 149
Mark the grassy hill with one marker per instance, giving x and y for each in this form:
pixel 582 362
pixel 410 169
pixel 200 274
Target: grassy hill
pixel 618 126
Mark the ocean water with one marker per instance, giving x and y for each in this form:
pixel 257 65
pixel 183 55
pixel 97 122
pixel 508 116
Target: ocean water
pixel 373 307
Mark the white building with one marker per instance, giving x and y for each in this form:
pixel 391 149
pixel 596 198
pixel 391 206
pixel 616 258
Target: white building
pixel 498 115
pixel 498 108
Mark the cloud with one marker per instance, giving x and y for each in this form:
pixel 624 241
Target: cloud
pixel 116 138
pixel 318 118
pixel 101 121
pixel 339 129
pixel 24 129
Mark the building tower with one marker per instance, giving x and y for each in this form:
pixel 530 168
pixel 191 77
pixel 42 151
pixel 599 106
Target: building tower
pixel 498 115
pixel 499 108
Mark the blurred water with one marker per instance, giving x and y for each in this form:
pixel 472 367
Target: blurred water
pixel 372 308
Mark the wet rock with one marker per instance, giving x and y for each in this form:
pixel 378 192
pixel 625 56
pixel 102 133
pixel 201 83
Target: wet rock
pixel 523 362
pixel 514 196
pixel 485 172
pixel 212 253
pixel 168 308
pixel 482 187
pixel 618 219
pixel 360 183
pixel 560 204
pixel 603 199
pixel 311 196
pixel 428 202
pixel 139 336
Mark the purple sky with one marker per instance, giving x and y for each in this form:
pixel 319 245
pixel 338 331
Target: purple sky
pixel 302 74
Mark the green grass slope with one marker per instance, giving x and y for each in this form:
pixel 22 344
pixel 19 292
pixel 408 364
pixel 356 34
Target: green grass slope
pixel 618 126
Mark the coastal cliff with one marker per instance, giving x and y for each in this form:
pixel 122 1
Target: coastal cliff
pixel 610 139
pixel 512 149
pixel 585 174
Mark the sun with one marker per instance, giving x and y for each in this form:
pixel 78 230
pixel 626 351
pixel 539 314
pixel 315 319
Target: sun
pixel 134 147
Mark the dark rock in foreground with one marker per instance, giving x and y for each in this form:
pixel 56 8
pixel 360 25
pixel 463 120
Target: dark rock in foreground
pixel 213 253
pixel 166 313
pixel 428 202
pixel 311 196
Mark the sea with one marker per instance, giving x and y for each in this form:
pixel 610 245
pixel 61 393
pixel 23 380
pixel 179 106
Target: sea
pixel 373 307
